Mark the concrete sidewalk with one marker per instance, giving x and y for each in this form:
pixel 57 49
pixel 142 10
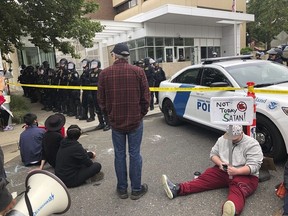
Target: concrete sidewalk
pixel 9 139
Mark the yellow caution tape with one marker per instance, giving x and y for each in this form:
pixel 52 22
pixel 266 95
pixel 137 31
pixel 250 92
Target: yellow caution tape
pixel 159 89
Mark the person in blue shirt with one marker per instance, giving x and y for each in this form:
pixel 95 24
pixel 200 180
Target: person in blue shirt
pixel 30 143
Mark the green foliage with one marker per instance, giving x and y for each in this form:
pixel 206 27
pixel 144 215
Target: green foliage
pixel 271 18
pixel 246 50
pixel 19 106
pixel 48 23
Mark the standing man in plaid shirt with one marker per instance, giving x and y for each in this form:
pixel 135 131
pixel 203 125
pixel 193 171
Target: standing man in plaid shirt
pixel 123 94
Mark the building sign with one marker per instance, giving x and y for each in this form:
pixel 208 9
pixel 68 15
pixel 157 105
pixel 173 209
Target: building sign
pixel 231 110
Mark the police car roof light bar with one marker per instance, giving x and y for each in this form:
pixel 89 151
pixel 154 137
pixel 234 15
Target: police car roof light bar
pixel 219 59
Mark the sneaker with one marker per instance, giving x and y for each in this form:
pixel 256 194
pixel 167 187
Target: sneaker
pixel 98 177
pixel 138 194
pixel 8 128
pixel 170 188
pixel 122 194
pixel 229 208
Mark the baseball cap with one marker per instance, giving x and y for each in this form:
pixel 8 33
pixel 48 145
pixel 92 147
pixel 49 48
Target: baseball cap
pixel 237 131
pixel 121 49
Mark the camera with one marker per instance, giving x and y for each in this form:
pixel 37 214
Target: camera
pixel 225 167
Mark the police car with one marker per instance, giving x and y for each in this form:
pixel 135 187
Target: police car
pixel 235 72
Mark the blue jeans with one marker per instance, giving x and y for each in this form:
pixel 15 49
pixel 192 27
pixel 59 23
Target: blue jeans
pixel 135 158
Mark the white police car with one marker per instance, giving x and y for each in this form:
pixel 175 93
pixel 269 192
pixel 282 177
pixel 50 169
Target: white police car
pixel 194 106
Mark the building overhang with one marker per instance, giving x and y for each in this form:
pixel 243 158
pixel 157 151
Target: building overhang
pixel 177 14
pixel 116 28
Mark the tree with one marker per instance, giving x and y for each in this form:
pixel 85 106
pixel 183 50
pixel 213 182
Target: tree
pixel 48 24
pixel 271 18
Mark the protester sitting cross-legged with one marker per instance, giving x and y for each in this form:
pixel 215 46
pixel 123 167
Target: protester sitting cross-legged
pixel 241 177
pixel 73 164
pixel 30 143
pixel 52 139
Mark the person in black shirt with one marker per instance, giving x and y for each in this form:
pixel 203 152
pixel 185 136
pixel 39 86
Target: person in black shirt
pixel 73 163
pixel 52 138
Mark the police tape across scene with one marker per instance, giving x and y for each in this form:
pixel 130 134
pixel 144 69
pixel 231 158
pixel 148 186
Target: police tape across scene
pixel 159 89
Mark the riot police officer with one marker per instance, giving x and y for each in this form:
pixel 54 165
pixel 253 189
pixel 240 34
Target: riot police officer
pixel 49 75
pixel 159 77
pixel 150 75
pixel 61 80
pixel 87 101
pixel 93 77
pixel 74 105
pixel 275 54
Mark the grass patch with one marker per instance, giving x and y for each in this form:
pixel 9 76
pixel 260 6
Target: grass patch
pixel 19 106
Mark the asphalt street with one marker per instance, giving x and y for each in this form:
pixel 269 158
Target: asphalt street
pixel 175 151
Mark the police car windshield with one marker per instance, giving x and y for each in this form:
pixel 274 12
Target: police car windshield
pixel 262 73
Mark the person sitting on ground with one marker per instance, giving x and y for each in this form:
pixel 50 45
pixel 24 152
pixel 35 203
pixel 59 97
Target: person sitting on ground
pixel 73 164
pixel 241 177
pixel 30 143
pixel 52 139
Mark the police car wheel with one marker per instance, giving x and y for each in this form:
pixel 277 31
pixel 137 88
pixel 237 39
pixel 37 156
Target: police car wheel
pixel 170 114
pixel 270 139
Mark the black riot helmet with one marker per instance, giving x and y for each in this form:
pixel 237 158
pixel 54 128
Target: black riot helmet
pixel 95 63
pixel 63 63
pixel 45 64
pixel 85 63
pixel 71 66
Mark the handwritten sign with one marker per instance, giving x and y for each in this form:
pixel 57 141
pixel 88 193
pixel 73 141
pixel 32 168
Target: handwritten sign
pixel 232 110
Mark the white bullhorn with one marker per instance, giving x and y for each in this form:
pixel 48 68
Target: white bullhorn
pixel 47 195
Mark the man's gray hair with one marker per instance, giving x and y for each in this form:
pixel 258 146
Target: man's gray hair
pixel 120 56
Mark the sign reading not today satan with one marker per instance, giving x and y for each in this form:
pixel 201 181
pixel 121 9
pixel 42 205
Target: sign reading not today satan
pixel 231 110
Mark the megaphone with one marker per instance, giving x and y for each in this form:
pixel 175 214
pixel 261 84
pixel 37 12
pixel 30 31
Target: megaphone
pixel 45 194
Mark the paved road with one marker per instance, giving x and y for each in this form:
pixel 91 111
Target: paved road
pixel 175 151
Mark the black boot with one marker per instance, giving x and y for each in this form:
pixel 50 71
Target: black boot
pixel 101 122
pixel 84 114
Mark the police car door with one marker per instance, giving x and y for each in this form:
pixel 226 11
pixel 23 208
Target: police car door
pixel 210 76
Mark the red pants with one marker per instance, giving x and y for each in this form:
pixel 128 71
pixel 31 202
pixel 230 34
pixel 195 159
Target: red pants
pixel 240 186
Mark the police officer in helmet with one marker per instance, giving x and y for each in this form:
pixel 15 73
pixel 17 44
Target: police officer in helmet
pixel 95 70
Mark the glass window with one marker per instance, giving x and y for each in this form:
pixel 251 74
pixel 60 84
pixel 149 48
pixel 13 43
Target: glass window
pixel 178 41
pixel 149 41
pixel 140 42
pixel 133 56
pixel 150 51
pixel 187 53
pixel 168 41
pixel 190 76
pixel 159 41
pixel 211 75
pixel 203 52
pixel 188 41
pixel 160 53
pixel 141 53
pixel 131 44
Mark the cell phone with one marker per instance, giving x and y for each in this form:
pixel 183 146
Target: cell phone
pixel 225 167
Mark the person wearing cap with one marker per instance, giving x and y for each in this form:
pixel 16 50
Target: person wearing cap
pixel 123 93
pixel 241 177
pixel 30 142
pixel 52 139
pixel 73 163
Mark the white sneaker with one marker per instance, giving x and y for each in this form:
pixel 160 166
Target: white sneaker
pixel 8 128
pixel 229 208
